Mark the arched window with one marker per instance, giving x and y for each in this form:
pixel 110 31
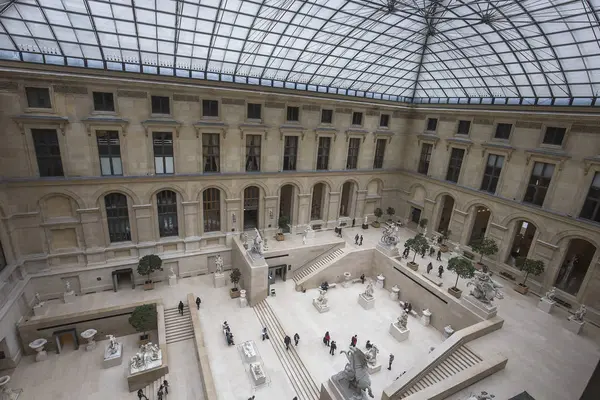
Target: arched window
pixel 167 213
pixel 211 203
pixel 251 204
pixel 117 217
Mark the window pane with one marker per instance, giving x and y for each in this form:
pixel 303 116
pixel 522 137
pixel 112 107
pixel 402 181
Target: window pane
pixel 326 116
pixel 169 165
pixel 159 165
pixel 105 166
pixel 38 97
pixel 117 168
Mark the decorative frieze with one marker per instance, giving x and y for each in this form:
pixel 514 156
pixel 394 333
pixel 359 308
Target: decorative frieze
pixel 186 97
pixel 400 114
pixel 483 121
pixel 70 89
pixel 134 94
pixel 529 125
pixel 585 128
pixel 447 118
pixel 372 113
pixel 343 110
pixel 236 102
pixel 311 107
pixel 274 104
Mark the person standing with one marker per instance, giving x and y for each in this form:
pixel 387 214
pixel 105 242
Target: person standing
pixel 141 395
pixel 361 239
pixel 180 307
pixel 198 301
pixel 166 385
pixel 326 338
pixel 439 256
pixel 362 279
pixel 391 361
pixel 159 394
pixel 356 239
pixel 353 341
pixel 431 251
pixel 429 267
pixel 287 340
pixel 440 271
pixel 340 231
pixel 332 347
pixel 296 338
pixel 265 335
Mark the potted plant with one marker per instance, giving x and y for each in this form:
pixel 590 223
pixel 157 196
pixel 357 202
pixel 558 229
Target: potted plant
pixel 445 236
pixel 418 244
pixel 378 213
pixel 143 319
pixel 282 222
pixel 147 265
pixel 463 268
pixel 529 266
pixel 485 247
pixel 235 277
pixel 390 211
pixel 423 224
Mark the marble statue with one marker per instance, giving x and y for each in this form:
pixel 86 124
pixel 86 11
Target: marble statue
pixel 219 264
pixel 550 294
pixel 371 355
pixel 113 345
pixel 402 321
pixel 483 396
pixel 304 239
pixel 366 220
pixel 321 300
pixel 257 245
pixel 244 239
pixel 390 234
pixel 356 373
pixel 484 288
pixel 149 353
pixel 579 314
pixel 68 286
pixel 457 248
pixel 425 232
pixel 171 271
pixel 369 291
pixel 38 300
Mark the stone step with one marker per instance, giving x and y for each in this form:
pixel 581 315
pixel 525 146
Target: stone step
pixel 307 272
pixel 178 327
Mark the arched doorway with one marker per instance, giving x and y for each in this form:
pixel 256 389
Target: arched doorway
pixel 316 204
pixel 446 213
pixel 480 223
pixel 521 242
pixel 251 203
pixel 286 205
pixel 575 265
pixel 346 200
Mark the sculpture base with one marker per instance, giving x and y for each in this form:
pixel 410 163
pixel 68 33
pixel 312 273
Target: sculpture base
pixel 259 376
pixel 399 334
pixel 485 311
pixel 90 346
pixel 243 302
pixel 40 309
pixel 575 326
pixel 172 280
pixel 310 234
pixel 248 351
pixel 112 360
pixel 371 369
pixel 320 307
pixel 390 251
pixel 379 282
pixel 69 297
pixel 366 303
pixel 219 280
pixel 425 320
pixel 41 356
pixel 346 284
pixel 339 389
pixel 395 295
pixel 546 305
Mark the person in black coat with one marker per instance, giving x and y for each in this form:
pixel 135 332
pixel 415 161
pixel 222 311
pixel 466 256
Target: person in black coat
pixel 265 335
pixel 439 256
pixel 440 271
pixel 180 307
pixel 429 267
pixel 198 301
pixel 296 339
pixel 332 347
pixel 141 395
pixel 287 340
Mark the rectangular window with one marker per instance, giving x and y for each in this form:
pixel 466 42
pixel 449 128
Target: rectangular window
pixel 47 152
pixel 103 101
pixel 491 174
pixel 379 153
pixel 109 151
pixel 290 152
pixel 210 108
pixel 163 152
pixel 253 152
pixel 463 127
pixel 117 217
pixel 357 118
pixel 323 153
pixel 353 147
pixel 431 124
pixel 211 152
pixel 254 111
pixel 211 203
pixel 425 158
pixel 160 105
pixel 38 97
pixel 554 135
pixel 503 131
pixel 384 120
pixel 293 114
pixel 456 159
pixel 539 183
pixel 591 207
pixel 326 116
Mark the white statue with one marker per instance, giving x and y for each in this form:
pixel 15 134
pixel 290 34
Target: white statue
pixel 257 246
pixel 425 232
pixel 219 264
pixel 369 291
pixel 482 396
pixel 371 355
pixel 38 300
pixel 68 286
pixel 484 288
pixel 113 345
pixel 568 270
pixel 390 234
pixel 322 300
pixel 402 321
pixel 366 220
pixel 304 239
pixel 579 314
pixel 550 294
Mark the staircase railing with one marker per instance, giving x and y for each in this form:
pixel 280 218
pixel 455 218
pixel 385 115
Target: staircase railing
pixel 312 261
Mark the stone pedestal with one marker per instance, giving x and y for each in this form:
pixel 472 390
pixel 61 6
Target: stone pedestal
pixel 172 280
pixel 243 299
pixel 40 309
pixel 399 334
pixel 575 326
pixel 390 251
pixel 380 281
pixel 320 307
pixel 426 317
pixel 395 293
pixel 365 302
pixel 371 369
pixel 112 360
pixel 248 351
pixel 448 331
pixel 310 234
pixel 69 297
pixel 485 311
pixel 258 374
pixel 546 305
pixel 347 279
pixel 219 280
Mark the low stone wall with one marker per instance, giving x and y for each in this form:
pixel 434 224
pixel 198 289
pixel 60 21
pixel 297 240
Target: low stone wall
pixel 208 385
pixel 356 262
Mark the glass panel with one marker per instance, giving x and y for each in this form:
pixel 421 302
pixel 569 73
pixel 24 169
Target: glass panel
pixel 105 166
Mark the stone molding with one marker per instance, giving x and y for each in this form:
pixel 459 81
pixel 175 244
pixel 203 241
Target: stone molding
pixel 186 97
pixel 70 89
pixel 134 94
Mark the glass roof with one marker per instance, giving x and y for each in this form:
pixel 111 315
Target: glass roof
pixel 432 51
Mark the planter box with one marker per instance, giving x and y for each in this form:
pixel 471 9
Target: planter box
pixel 455 292
pixel 443 248
pixel 412 265
pixel 375 224
pixel 234 293
pixel 479 266
pixel 279 237
pixel 144 339
pixel 148 285
pixel 522 288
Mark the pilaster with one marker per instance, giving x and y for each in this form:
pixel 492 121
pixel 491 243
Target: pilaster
pixel 92 228
pixel 143 220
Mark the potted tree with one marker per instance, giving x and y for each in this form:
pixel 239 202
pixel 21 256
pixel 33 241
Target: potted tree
pixel 445 236
pixel 235 277
pixel 146 266
pixel 418 244
pixel 529 266
pixel 423 224
pixel 463 268
pixel 378 213
pixel 282 222
pixel 390 211
pixel 485 247
pixel 143 319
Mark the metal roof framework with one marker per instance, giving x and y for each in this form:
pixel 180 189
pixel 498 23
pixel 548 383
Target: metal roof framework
pixel 533 52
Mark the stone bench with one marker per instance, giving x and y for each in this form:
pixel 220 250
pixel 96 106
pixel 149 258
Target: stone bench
pixel 433 279
pixel 412 312
pixel 332 285
pixel 356 280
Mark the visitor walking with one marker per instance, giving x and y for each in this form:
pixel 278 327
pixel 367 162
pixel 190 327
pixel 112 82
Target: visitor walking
pixel 296 339
pixel 423 253
pixel 166 385
pixel 431 251
pixel 251 398
pixel 356 239
pixel 332 347
pixel 265 335
pixel 439 256
pixel 440 271
pixel 180 307
pixel 361 239
pixel 198 301
pixel 287 340
pixel 362 279
pixel 141 395
pixel 326 338
pixel 159 394
pixel 391 361
pixel 429 267
pixel 340 231
pixel 368 345
pixel 353 341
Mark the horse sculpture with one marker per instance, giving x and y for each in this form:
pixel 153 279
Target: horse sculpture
pixel 485 289
pixel 356 373
pixel 390 235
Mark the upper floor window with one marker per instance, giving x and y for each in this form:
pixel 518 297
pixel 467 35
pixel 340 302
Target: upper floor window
pixel 210 108
pixel 379 153
pixel 591 207
pixel 47 152
pixel 357 118
pixel 211 151
pixel 290 152
pixel 540 179
pixel 38 97
pixel 425 158
pixel 554 135
pixel 211 204
pixel 109 151
pixel 166 202
pixel 384 120
pixel 161 105
pixel 353 147
pixel 456 159
pixel 163 152
pixel 323 153
pixel 254 111
pixel 326 116
pixel 103 101
pixel 293 114
pixel 491 174
pixel 503 131
pixel 117 217
pixel 431 124
pixel 253 143
pixel 463 127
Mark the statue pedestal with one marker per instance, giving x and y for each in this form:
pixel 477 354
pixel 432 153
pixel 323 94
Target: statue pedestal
pixel 546 305
pixel 347 282
pixel 390 251
pixel 371 369
pixel 41 356
pixel 258 374
pixel 448 331
pixel 426 317
pixel 172 280
pixel 395 293
pixel 399 334
pixel 112 360
pixel 310 234
pixel 243 300
pixel 575 326
pixel 69 297
pixel 320 308
pixel 485 311
pixel 248 351
pixel 40 309
pixel 365 302
pixel 379 282
pixel 219 280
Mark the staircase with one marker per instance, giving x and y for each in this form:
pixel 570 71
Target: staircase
pixel 314 268
pixel 178 327
pixel 303 384
pixel 152 389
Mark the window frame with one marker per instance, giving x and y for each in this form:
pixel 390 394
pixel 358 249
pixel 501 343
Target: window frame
pixel 260 155
pixel 510 134
pixel 210 117
pixel 204 156
pixel 294 156
pixel 287 114
pixel 105 112
pixel 353 139
pixel 218 212
pixel 175 230
pixel 262 107
pixel 332 115
pixel 381 156
pixel 59 156
pixel 456 130
pixel 420 162
pixel 110 156
pixel 548 188
pixel 550 145
pixel 437 124
pixel 162 155
pixel 389 120
pixel 362 118
pixel 331 141
pixel 155 114
pixel 107 219
pixel 28 108
pixel 450 166
pixel 481 188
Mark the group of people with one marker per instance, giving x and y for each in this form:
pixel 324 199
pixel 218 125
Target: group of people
pixel 358 239
pixel 228 334
pixel 440 269
pixel 406 253
pixel 329 343
pixel 287 340
pixel 162 390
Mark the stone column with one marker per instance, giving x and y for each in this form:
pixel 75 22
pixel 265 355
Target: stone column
pixel 427 212
pixel 498 233
pixel 144 225
pixel 334 208
pixel 552 256
pixel 91 225
pixel 457 226
pixel 190 213
pixel 303 209
pixel 233 209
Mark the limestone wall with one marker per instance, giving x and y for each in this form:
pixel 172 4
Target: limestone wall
pixel 357 263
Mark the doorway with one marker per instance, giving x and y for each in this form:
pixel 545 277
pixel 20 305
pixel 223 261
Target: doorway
pixel 65 340
pixel 481 220
pixel 415 215
pixel 277 273
pixel 251 202
pixel 123 278
pixel 446 213
pixel 286 201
